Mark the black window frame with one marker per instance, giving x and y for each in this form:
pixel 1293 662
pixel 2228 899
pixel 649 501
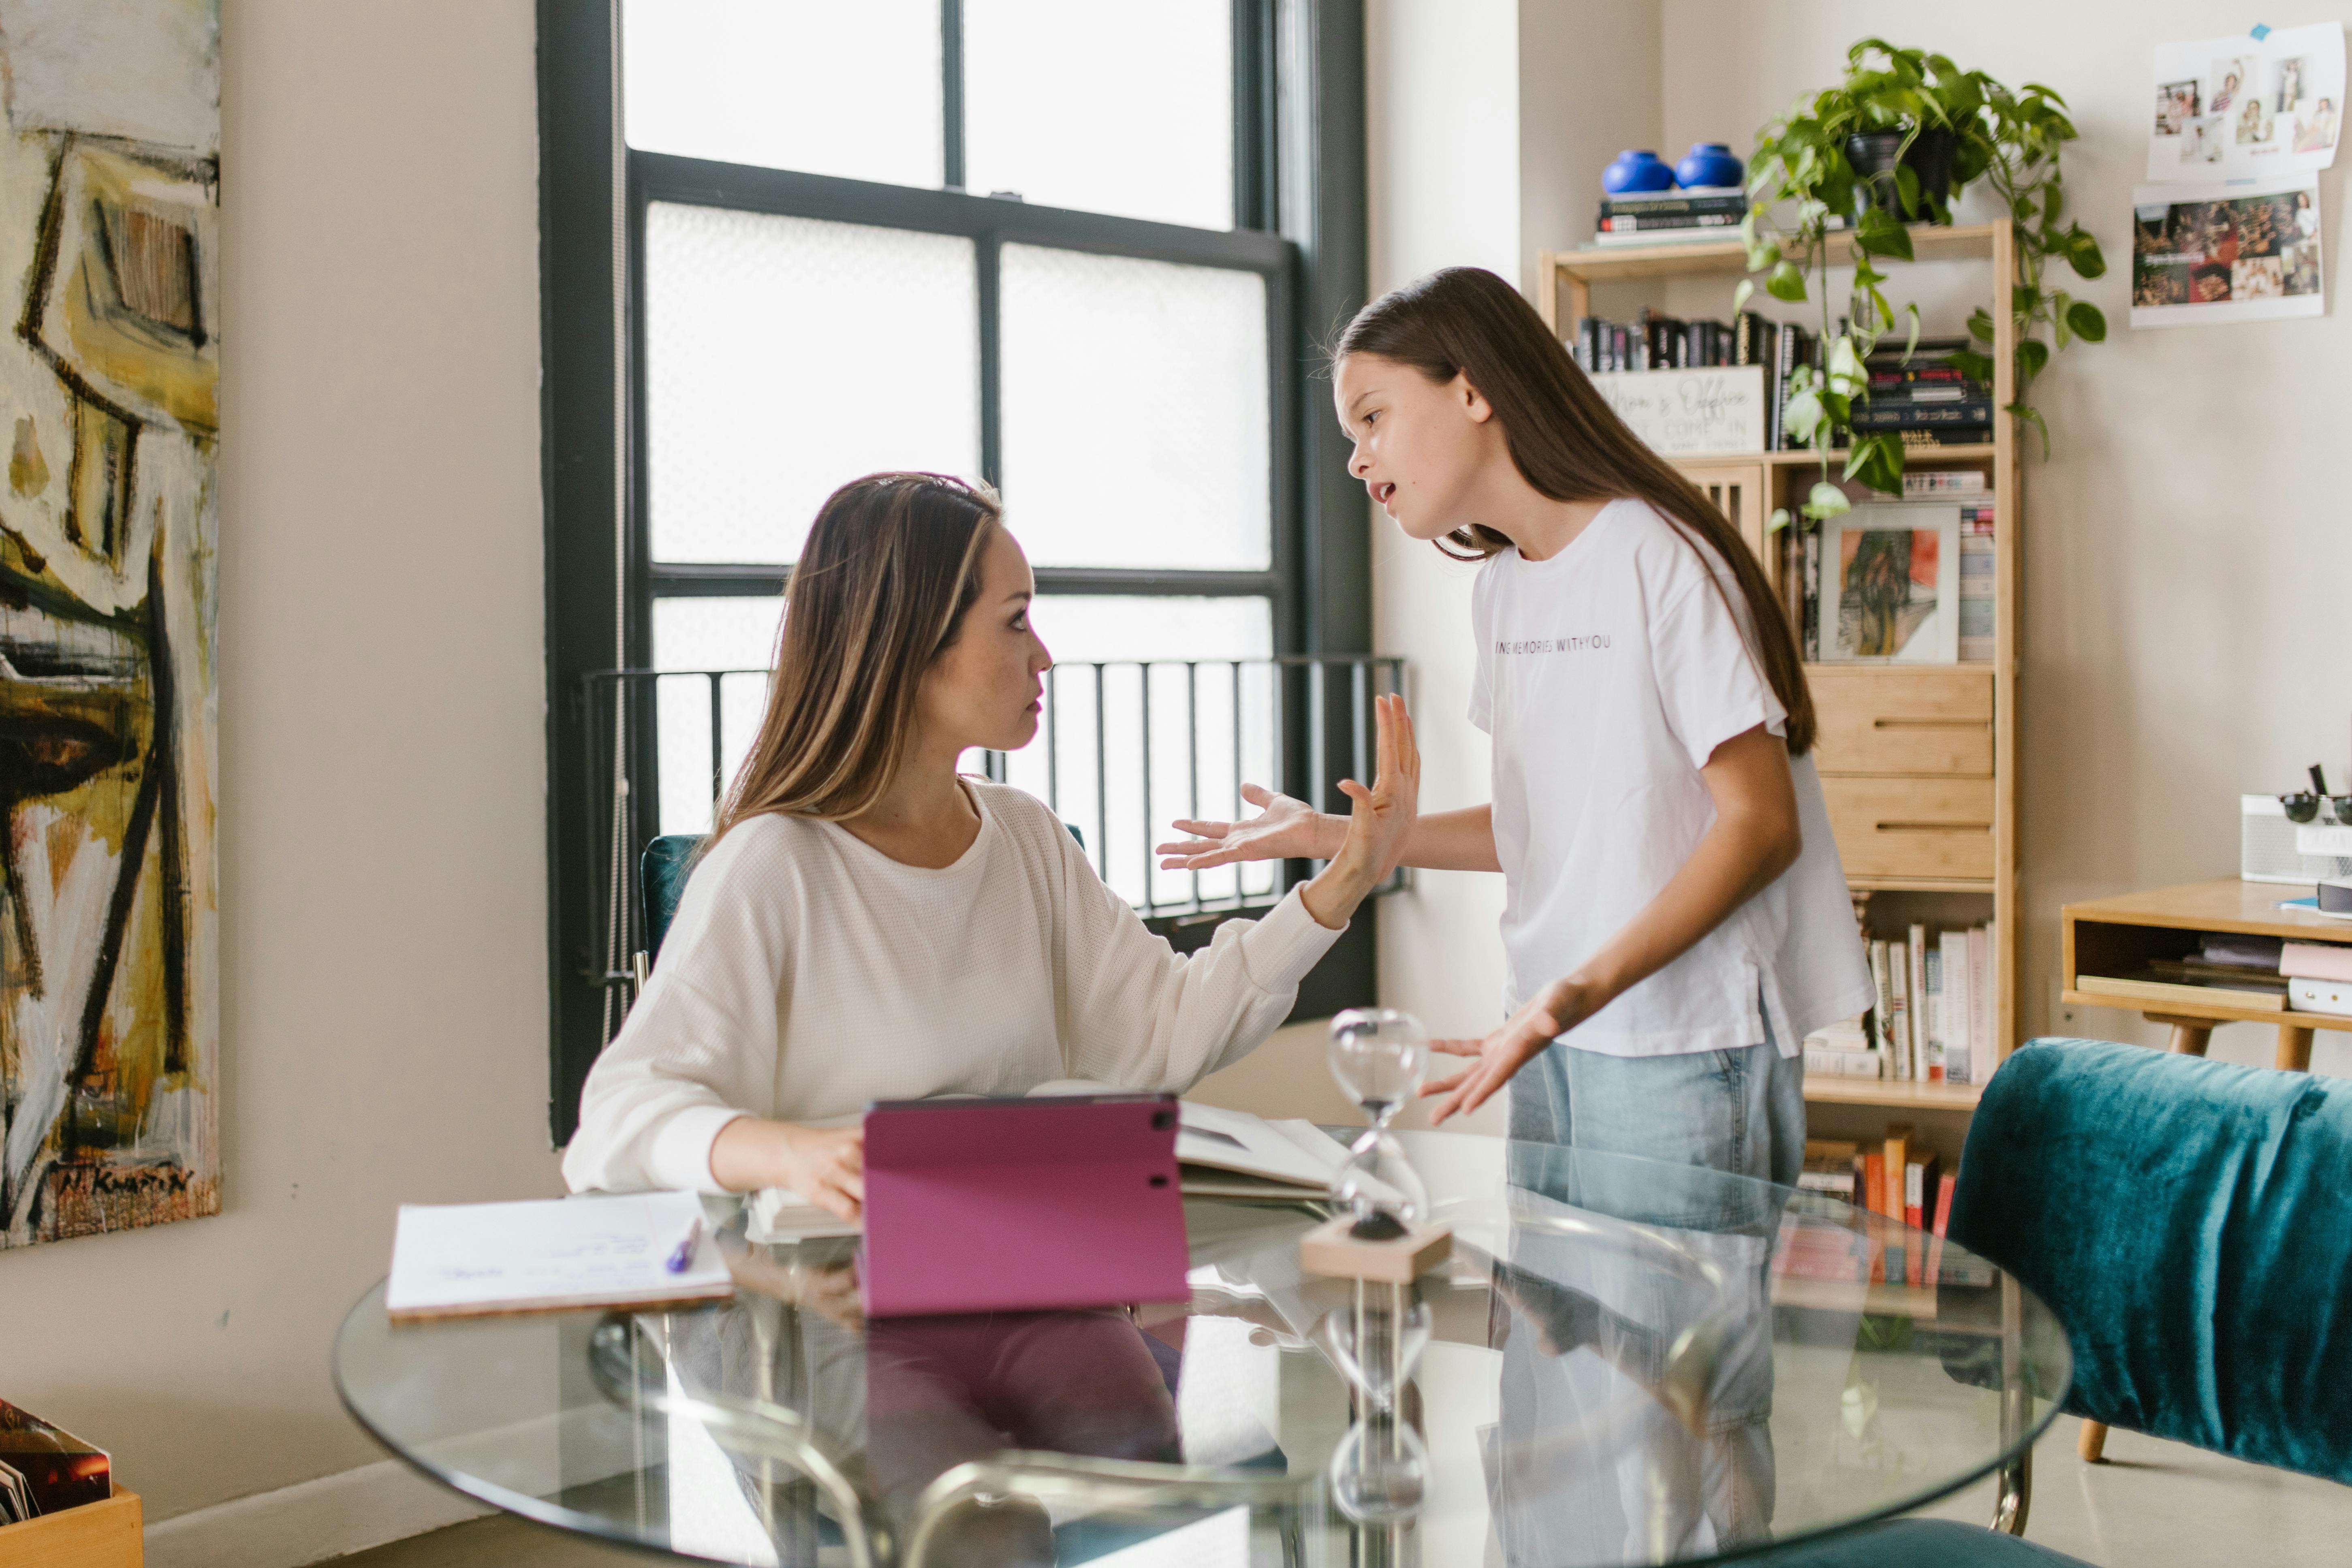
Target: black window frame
pixel 1298 182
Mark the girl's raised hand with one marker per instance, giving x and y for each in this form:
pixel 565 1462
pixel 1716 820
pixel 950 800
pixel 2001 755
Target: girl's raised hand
pixel 1284 829
pixel 1556 1009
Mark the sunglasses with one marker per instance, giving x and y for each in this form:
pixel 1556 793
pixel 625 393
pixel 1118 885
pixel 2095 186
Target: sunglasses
pixel 2304 804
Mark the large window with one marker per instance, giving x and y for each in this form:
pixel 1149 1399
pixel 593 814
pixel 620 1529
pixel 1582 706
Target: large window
pixel 1082 251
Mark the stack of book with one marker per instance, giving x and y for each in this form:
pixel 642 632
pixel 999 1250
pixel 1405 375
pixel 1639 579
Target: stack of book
pixel 1898 1178
pixel 1926 398
pixel 1933 1021
pixel 2318 976
pixel 1655 341
pixel 1972 487
pixel 1651 218
pixel 2228 969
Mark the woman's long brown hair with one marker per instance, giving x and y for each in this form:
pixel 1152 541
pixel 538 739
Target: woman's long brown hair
pixel 1564 439
pixel 891 564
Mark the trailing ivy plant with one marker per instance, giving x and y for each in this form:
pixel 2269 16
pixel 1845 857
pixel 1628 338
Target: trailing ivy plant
pixel 2011 140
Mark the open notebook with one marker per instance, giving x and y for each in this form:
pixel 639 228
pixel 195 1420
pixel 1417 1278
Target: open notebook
pixel 463 1260
pixel 1222 1154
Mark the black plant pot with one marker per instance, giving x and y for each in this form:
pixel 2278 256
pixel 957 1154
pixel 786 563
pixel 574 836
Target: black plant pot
pixel 1872 154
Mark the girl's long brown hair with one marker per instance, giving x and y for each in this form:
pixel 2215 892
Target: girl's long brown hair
pixel 891 564
pixel 1565 441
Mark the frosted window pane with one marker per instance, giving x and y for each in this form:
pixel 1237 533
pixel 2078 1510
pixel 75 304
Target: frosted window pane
pixel 1195 769
pixel 1136 415
pixel 708 634
pixel 786 355
pixel 817 85
pixel 1123 108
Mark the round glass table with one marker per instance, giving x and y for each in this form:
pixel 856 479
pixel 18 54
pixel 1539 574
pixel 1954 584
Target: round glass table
pixel 1623 1361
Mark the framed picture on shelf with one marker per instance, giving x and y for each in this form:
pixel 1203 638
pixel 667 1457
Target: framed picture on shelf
pixel 1891 584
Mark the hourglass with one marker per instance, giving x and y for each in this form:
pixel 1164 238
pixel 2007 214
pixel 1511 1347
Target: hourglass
pixel 1382 1231
pixel 1381 1238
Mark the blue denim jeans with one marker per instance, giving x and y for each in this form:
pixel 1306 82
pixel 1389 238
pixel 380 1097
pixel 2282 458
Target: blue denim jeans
pixel 1740 1112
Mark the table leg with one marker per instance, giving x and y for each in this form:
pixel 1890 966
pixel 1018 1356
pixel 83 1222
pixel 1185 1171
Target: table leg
pixel 2295 1048
pixel 2190 1035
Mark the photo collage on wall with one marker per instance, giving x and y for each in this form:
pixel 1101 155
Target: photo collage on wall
pixel 2249 107
pixel 2228 228
pixel 2215 254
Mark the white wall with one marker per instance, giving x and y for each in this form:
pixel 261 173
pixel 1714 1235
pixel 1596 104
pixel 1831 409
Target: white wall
pixel 1488 124
pixel 2186 562
pixel 383 905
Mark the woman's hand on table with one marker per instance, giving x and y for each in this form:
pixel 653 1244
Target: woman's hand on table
pixel 825 1165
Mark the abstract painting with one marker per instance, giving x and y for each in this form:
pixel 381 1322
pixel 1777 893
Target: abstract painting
pixel 1891 569
pixel 110 359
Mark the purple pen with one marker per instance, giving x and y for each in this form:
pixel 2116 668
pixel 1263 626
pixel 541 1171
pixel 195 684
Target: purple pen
pixel 683 1259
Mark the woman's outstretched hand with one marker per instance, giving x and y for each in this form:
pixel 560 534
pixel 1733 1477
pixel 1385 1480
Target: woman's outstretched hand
pixel 1382 817
pixel 1284 829
pixel 1556 1009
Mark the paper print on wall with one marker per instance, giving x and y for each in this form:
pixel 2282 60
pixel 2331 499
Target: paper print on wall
pixel 2248 107
pixel 110 203
pixel 2225 253
pixel 1895 572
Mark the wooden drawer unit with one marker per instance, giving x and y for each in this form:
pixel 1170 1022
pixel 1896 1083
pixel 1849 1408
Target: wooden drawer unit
pixel 1874 720
pixel 1927 828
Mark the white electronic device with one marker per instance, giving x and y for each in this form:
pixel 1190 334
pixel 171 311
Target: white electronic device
pixel 2269 848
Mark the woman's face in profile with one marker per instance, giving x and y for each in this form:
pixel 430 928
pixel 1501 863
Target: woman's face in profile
pixel 987 689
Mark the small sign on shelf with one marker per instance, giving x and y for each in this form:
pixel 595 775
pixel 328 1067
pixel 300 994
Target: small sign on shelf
pixel 1713 411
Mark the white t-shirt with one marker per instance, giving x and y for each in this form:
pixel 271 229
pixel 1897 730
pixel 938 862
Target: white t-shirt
pixel 806 975
pixel 1607 676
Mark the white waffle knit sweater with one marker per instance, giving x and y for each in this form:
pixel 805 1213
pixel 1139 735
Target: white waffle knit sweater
pixel 807 973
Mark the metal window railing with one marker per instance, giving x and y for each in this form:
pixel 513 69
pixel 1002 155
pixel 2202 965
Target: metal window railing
pixel 1123 748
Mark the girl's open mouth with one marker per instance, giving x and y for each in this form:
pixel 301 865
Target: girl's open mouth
pixel 1383 493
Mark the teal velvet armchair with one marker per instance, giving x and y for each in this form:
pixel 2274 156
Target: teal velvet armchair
pixel 2190 1222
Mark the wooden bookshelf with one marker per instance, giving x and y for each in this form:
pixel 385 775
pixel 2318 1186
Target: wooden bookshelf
pixel 1939 741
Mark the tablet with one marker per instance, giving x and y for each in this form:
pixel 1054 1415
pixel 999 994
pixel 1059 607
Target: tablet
pixel 1021 1204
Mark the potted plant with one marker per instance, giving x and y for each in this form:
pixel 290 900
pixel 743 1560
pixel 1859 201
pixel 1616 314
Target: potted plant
pixel 1897 142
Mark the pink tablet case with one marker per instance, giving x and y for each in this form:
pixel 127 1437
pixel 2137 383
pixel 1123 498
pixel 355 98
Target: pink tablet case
pixel 983 1205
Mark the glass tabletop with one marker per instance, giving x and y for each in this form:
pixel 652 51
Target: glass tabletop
pixel 1623 1361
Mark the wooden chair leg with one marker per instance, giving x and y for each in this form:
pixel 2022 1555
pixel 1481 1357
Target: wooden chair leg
pixel 2092 1443
pixel 2295 1048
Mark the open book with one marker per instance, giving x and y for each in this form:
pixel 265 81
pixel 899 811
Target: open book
pixel 1233 1154
pixel 1222 1153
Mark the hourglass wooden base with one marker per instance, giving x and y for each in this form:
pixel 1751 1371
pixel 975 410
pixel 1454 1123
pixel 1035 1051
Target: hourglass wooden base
pixel 1331 1251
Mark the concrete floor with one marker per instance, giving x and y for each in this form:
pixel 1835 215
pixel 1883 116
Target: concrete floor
pixel 2152 1505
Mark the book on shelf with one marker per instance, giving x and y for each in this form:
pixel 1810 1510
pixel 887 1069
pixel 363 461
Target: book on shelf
pixel 1680 198
pixel 1662 237
pixel 2314 961
pixel 1653 224
pixel 2148 987
pixel 1923 1066
pixel 1945 1033
pixel 1934 484
pixel 1890 415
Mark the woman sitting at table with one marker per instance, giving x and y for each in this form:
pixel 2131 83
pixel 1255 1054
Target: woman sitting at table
pixel 864 924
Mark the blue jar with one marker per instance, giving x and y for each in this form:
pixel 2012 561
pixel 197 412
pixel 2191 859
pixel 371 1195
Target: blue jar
pixel 1632 171
pixel 1710 163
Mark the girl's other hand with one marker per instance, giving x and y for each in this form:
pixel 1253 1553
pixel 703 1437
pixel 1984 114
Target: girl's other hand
pixel 1556 1009
pixel 1284 829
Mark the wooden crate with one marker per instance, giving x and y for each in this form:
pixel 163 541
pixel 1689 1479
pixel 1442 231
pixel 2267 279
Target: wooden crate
pixel 95 1535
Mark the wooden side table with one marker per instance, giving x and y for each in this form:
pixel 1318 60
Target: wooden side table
pixel 2119 936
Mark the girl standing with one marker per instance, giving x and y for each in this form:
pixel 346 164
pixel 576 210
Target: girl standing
pixel 1676 919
